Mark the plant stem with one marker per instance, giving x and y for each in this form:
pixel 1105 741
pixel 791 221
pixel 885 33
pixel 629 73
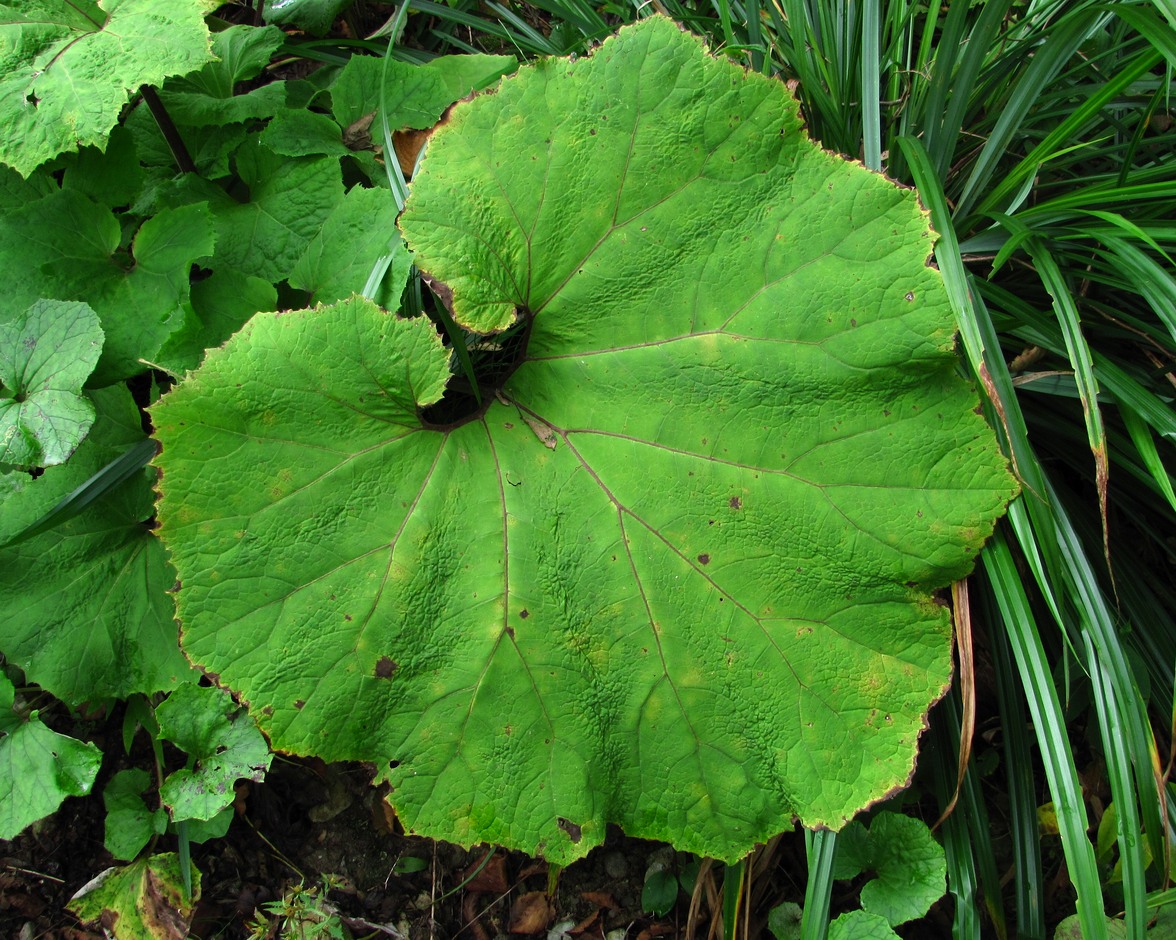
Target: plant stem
pixel 169 130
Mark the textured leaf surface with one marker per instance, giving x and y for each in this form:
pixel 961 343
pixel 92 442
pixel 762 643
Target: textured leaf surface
pixel 677 573
pixel 66 69
pixel 289 202
pixel 910 867
pixel 39 768
pixel 209 726
pixel 45 356
pixel 861 925
pixel 83 607
pixel 146 899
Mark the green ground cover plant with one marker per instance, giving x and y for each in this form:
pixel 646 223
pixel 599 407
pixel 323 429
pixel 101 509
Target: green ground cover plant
pixel 537 415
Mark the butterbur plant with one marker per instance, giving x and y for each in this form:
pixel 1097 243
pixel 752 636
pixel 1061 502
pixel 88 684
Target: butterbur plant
pixel 672 561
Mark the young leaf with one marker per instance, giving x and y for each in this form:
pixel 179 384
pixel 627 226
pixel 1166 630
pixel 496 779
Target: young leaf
pixel 129 823
pixel 219 305
pixel 208 97
pixel 45 356
pixel 676 573
pixel 909 864
pixel 66 68
pixel 223 741
pixel 314 16
pixel 39 768
pixel 289 202
pixel 860 925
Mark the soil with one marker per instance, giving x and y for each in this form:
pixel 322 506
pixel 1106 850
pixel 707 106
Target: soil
pixel 308 821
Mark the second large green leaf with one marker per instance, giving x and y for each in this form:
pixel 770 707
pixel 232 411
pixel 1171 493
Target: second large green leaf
pixel 677 571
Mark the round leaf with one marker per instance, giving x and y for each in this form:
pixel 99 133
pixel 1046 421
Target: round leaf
pixel 910 865
pixel 676 573
pixel 46 354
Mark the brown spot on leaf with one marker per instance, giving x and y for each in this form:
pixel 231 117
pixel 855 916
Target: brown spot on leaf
pixel 524 614
pixel 735 502
pixel 300 704
pixel 570 828
pixel 385 667
pixel 704 559
pixel 510 632
pixel 347 617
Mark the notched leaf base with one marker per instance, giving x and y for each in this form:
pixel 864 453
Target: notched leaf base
pixel 493 359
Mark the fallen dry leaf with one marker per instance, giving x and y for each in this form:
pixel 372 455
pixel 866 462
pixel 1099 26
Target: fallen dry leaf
pixel 531 913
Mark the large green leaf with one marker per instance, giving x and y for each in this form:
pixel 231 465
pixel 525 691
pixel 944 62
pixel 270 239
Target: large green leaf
pixel 83 607
pixel 66 67
pixel 677 572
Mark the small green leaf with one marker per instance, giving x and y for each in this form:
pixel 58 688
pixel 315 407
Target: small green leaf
pixel 224 742
pixel 660 889
pixel 302 133
pixel 910 865
pixel 46 354
pixel 784 921
pixel 130 825
pixel 242 53
pixel 202 830
pixel 66 246
pixel 220 305
pixel 1071 929
pixel 112 177
pixel 146 899
pixel 39 768
pixel 66 68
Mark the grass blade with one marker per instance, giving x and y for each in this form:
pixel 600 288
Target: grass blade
pixel 1049 723
pixel 821 846
pixel 114 474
